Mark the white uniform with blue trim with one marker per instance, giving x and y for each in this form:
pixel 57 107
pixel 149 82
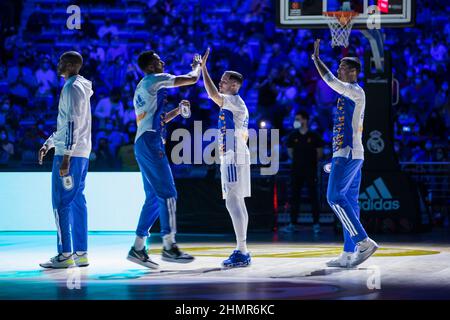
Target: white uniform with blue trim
pixel 348 120
pixel 348 157
pixel 145 101
pixel 234 153
pixel 72 137
pixel 73 129
pixel 159 185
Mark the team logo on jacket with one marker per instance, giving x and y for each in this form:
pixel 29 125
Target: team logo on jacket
pixel 139 102
pixel 375 143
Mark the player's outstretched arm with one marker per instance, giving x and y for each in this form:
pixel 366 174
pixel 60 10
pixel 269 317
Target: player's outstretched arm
pixel 193 76
pixel 321 67
pixel 211 89
pixel 334 83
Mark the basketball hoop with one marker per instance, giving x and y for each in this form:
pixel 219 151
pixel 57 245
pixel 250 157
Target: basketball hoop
pixel 340 23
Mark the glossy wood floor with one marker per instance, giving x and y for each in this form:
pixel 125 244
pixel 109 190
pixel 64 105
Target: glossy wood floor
pixel 284 267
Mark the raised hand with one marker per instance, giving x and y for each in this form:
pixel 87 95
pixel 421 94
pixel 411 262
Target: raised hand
pixel 196 61
pixel 205 57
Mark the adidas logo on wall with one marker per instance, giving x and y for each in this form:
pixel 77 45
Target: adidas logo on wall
pixel 378 198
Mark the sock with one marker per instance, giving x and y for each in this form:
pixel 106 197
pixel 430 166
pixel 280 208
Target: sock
pixel 139 243
pixel 364 243
pixel 66 254
pixel 80 253
pixel 242 246
pixel 345 254
pixel 239 216
pixel 168 240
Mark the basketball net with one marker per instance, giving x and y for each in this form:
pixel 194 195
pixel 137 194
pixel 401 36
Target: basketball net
pixel 340 23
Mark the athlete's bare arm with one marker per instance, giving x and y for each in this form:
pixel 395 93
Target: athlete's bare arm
pixel 193 76
pixel 213 93
pixel 334 83
pixel 169 116
pixel 321 67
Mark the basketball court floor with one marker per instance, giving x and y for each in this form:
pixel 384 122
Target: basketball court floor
pixel 285 266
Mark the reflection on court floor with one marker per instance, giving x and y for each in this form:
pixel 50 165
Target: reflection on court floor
pixel 280 270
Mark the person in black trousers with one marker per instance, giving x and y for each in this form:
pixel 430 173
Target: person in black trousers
pixel 305 151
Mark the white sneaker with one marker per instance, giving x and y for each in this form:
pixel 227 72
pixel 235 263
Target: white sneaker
pixel 59 262
pixel 343 261
pixel 364 250
pixel 81 260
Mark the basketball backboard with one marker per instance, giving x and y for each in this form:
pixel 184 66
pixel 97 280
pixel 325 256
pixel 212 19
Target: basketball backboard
pixel 309 13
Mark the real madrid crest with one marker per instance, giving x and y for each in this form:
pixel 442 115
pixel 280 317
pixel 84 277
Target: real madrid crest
pixel 185 109
pixel 375 143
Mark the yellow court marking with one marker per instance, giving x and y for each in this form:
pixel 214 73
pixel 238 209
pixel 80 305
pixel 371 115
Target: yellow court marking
pixel 300 251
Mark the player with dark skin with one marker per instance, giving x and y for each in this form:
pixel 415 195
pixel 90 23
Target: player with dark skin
pixel 157 66
pixel 348 158
pixel 69 65
pixel 169 116
pixel 345 72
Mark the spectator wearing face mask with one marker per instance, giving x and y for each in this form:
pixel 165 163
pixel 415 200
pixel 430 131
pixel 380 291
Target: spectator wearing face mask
pixel 21 81
pixel 46 79
pixel 6 147
pixel 109 107
pixel 305 151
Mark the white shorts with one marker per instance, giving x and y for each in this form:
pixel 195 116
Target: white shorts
pixel 235 178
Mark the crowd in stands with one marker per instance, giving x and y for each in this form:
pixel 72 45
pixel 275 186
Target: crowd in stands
pixel 279 76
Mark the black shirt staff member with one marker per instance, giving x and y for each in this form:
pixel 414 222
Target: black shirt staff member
pixel 305 151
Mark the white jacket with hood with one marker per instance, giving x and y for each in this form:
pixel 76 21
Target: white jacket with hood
pixel 73 130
